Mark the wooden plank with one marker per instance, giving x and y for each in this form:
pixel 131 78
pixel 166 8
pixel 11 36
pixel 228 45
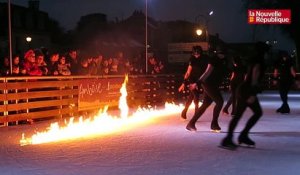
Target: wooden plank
pixel 3 119
pixel 2 108
pixel 2 97
pixel 41 84
pixel 38 115
pixel 40 104
pixel 2 86
pixel 41 94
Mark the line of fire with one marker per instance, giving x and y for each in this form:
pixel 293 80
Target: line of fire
pixel 102 122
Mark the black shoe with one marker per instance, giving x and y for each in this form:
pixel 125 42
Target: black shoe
pixel 191 127
pixel 244 139
pixel 228 144
pixel 183 114
pixel 215 127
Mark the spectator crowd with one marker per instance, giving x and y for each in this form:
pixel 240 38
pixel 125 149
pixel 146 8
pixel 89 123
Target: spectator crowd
pixel 40 63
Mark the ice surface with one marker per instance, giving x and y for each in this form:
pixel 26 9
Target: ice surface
pixel 163 148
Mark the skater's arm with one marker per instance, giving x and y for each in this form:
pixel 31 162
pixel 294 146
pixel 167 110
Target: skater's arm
pixel 185 80
pixel 188 72
pixel 207 72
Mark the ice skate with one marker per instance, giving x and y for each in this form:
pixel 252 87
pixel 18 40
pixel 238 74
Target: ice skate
pixel 228 144
pixel 191 127
pixel 215 128
pixel 279 110
pixel 285 110
pixel 245 140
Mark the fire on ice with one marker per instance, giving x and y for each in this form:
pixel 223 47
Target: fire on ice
pixel 102 123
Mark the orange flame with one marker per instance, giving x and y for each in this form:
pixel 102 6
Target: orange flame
pixel 102 123
pixel 123 101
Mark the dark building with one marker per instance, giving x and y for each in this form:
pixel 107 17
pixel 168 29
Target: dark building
pixel 27 22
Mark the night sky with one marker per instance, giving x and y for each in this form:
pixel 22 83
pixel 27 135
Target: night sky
pixel 229 20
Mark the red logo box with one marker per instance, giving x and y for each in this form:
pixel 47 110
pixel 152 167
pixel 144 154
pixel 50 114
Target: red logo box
pixel 270 16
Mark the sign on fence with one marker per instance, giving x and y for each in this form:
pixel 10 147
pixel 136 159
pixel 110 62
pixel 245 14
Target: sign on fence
pixel 96 93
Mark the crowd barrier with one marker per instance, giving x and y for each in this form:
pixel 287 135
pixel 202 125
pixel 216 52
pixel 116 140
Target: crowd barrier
pixel 24 98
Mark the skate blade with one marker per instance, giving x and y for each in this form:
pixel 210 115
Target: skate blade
pixel 246 146
pixel 228 147
pixel 215 130
pixel 191 130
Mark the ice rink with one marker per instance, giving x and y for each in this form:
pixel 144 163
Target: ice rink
pixel 164 147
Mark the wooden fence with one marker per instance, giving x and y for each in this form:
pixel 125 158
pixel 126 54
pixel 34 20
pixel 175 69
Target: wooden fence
pixel 23 98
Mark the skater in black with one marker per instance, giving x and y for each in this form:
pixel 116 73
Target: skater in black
pixel 210 81
pixel 285 74
pixel 246 97
pixel 237 76
pixel 196 67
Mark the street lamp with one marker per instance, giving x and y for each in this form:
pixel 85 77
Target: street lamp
pixel 28 39
pixel 205 18
pixel 199 32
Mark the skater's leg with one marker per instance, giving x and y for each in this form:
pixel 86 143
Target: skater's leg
pixel 256 108
pixel 206 103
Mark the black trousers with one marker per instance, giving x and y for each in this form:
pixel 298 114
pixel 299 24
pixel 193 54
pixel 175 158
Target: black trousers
pixel 193 96
pixel 211 94
pixel 284 88
pixel 232 99
pixel 240 109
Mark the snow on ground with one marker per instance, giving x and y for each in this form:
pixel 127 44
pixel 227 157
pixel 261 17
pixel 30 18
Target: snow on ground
pixel 163 148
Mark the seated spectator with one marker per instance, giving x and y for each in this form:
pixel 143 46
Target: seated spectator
pixel 40 60
pixel 5 68
pixel 105 68
pixel 63 68
pixel 84 67
pixel 29 66
pixel 16 66
pixel 155 67
pixel 72 59
pixel 96 65
pixel 128 67
pixel 159 68
pixel 114 69
pixel 52 65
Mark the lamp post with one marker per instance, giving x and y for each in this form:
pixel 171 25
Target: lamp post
pixel 205 18
pixel 9 34
pixel 146 37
